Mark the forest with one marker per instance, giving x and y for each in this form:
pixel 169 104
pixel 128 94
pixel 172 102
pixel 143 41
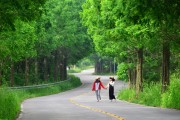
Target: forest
pixel 39 39
pixel 139 34
pixel 139 39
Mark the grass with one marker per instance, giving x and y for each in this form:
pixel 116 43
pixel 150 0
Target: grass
pixel 171 98
pixel 75 70
pixel 9 103
pixel 79 69
pixel 152 96
pixel 105 74
pixel 10 100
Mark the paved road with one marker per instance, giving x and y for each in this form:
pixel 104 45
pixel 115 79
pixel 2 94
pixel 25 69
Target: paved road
pixel 81 104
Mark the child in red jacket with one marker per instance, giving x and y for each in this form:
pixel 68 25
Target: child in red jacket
pixel 97 87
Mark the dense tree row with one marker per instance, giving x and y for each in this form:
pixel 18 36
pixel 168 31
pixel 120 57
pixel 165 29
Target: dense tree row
pixel 39 38
pixel 104 64
pixel 135 32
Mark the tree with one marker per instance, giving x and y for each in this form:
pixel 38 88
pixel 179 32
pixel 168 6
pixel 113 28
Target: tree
pixel 12 10
pixel 157 15
pixel 132 26
pixel 112 30
pixel 19 45
pixel 69 33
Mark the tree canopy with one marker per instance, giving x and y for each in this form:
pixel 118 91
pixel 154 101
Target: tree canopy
pixel 40 38
pixel 122 28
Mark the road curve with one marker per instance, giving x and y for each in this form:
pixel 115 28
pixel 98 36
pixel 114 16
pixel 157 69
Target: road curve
pixel 81 104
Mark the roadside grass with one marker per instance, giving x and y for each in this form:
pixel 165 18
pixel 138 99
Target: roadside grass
pixel 79 69
pixel 10 100
pixel 171 98
pixel 74 70
pixel 9 104
pixel 105 74
pixel 152 96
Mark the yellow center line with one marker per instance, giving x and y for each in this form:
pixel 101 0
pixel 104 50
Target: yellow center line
pixel 95 109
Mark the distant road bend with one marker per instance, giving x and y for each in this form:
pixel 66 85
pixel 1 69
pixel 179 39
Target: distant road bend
pixel 81 104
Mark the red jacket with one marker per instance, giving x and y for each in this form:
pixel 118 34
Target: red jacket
pixel 100 85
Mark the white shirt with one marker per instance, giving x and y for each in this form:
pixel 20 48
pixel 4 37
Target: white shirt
pixel 97 86
pixel 110 83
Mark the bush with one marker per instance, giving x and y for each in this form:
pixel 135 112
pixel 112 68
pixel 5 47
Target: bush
pixel 171 98
pixel 127 94
pixel 152 95
pixel 10 104
pixel 74 70
pixel 122 71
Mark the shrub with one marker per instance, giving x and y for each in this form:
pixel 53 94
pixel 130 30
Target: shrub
pixel 152 95
pixel 127 94
pixel 122 71
pixel 171 98
pixel 10 104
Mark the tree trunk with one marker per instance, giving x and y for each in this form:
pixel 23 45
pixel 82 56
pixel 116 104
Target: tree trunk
pixel 27 71
pixel 134 75
pixel 114 67
pixel 0 77
pixel 65 69
pixel 0 73
pixel 129 75
pixel 110 67
pixel 165 66
pixel 129 78
pixel 101 66
pixel 12 74
pixel 98 67
pixel 55 65
pixel 36 70
pixel 139 71
pixel 95 67
pixel 45 70
pixel 61 69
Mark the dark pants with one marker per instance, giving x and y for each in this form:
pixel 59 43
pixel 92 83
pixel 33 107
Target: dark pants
pixel 111 92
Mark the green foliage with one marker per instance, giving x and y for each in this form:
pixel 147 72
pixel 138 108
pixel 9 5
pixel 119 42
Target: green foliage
pixel 18 44
pixel 57 34
pixel 10 100
pixel 85 63
pixel 67 85
pixel 122 71
pixel 127 94
pixel 9 103
pixel 60 29
pixel 152 68
pixel 152 96
pixel 74 70
pixel 171 98
pixel 120 27
pixel 112 27
pixel 11 10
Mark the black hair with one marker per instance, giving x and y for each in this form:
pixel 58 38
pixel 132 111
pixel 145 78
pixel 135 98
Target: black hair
pixel 112 78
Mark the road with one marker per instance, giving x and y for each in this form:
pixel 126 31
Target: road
pixel 81 104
